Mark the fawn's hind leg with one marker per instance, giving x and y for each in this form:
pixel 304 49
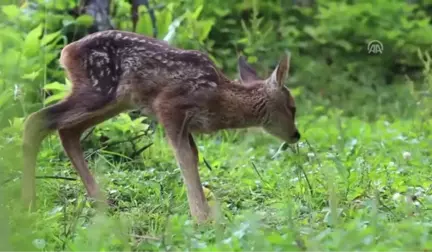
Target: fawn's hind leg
pixel 70 139
pixel 71 118
pixel 36 128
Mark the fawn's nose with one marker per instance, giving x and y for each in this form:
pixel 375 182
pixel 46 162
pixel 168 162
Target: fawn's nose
pixel 296 135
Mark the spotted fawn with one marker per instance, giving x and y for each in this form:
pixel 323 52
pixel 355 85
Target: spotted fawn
pixel 115 71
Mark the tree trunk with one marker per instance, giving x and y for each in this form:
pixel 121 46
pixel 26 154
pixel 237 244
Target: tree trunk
pixel 99 10
pixel 135 14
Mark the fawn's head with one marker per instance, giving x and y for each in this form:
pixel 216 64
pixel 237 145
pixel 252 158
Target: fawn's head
pixel 280 108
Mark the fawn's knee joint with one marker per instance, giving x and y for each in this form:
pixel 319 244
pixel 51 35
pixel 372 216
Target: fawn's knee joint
pixel 35 128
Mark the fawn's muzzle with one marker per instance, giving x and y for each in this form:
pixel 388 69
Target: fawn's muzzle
pixel 296 136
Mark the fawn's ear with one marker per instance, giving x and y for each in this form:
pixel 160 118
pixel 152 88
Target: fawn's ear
pixel 247 73
pixel 280 73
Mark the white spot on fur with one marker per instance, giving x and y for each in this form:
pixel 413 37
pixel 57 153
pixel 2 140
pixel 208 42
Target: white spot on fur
pixel 103 55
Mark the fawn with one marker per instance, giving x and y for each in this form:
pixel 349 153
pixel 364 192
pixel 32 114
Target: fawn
pixel 114 71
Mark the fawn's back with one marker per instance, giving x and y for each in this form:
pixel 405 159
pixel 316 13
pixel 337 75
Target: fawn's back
pixel 122 67
pixel 128 70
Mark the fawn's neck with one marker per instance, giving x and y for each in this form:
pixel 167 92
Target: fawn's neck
pixel 242 106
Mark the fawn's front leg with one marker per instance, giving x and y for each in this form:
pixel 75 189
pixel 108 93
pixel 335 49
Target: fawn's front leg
pixel 186 154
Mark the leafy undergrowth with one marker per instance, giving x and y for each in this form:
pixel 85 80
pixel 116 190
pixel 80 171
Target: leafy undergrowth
pixel 350 184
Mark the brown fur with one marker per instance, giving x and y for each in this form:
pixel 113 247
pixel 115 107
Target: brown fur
pixel 114 71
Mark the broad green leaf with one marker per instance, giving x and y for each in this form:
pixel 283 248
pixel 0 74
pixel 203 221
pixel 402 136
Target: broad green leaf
pixel 199 3
pixel 54 98
pixel 32 42
pixel 55 86
pixel 222 11
pixel 197 12
pixel 243 41
pixel 85 20
pixel 164 20
pixel 12 11
pixel 50 37
pixel 206 27
pixel 32 75
pixel 145 25
pixel 252 59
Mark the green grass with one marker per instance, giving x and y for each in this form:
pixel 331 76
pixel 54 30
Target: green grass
pixel 350 184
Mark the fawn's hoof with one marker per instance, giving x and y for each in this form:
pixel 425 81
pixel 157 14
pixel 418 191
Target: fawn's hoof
pixel 203 217
pixel 206 213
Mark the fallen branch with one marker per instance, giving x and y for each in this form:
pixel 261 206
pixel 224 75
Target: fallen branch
pixel 136 153
pixel 56 177
pixel 40 177
pixel 121 141
pixel 207 164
